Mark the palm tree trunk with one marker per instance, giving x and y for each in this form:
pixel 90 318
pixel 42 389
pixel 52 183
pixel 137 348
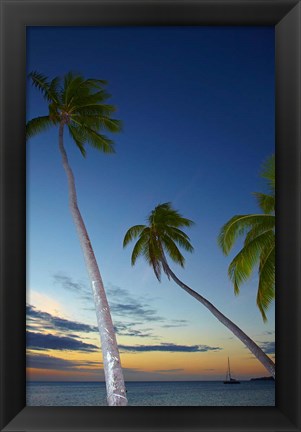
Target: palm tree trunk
pixel 116 393
pixel 249 343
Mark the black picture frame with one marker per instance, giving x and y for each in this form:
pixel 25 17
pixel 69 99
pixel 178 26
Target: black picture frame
pixel 15 16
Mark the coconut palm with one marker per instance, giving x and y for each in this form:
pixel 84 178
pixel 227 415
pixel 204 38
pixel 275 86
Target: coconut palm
pixel 79 105
pixel 162 236
pixel 259 244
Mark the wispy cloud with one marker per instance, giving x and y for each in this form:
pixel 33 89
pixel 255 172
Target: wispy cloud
pixel 168 347
pixel 40 341
pixel 269 332
pixel 268 347
pixel 176 323
pixel 39 321
pixel 68 283
pixel 117 292
pixel 123 304
pixel 129 313
pixel 80 289
pixel 127 329
pixel 138 311
pixel 45 320
pixel 169 370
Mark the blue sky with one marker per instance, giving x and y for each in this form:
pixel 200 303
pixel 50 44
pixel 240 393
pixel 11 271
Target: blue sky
pixel 197 106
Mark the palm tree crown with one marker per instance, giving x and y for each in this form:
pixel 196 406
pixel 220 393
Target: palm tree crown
pixel 161 234
pixel 78 103
pixel 259 243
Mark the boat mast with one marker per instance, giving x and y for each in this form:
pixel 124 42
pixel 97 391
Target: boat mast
pixel 229 372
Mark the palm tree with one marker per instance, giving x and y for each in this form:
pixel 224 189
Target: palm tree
pixel 162 235
pixel 79 104
pixel 259 243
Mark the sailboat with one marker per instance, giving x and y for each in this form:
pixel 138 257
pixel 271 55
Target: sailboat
pixel 229 379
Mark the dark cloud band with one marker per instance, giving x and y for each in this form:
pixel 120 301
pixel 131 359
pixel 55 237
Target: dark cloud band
pixel 168 347
pixel 40 341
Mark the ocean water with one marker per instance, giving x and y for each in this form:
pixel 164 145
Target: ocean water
pixel 189 393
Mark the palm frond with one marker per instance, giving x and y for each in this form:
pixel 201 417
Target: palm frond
pixel 238 226
pixel 166 215
pixel 242 266
pixel 178 231
pixel 133 233
pixel 37 125
pixel 78 139
pixel 99 142
pixel 41 82
pixel 179 237
pixel 152 254
pixel 139 248
pixel 265 202
pixel 93 109
pixel 97 122
pixel 256 231
pixel 266 286
pixel 268 173
pixel 95 139
pixel 111 125
pixel 156 264
pixel 90 99
pixel 73 84
pixel 96 83
pixel 172 250
pixel 54 89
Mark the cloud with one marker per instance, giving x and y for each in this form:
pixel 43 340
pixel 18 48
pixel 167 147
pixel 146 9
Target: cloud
pixel 41 341
pixel 69 284
pixel 38 320
pixel 45 361
pixel 169 370
pixel 168 347
pixel 126 329
pixel 48 362
pixel 176 323
pixel 268 347
pixel 122 303
pixel 47 321
pixel 117 292
pixel 135 310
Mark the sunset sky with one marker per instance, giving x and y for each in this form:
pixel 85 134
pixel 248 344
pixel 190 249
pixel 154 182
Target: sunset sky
pixel 197 106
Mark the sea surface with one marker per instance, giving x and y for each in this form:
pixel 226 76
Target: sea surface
pixel 188 393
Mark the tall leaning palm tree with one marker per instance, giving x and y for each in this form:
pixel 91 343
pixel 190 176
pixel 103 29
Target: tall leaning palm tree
pixel 162 236
pixel 79 105
pixel 258 250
